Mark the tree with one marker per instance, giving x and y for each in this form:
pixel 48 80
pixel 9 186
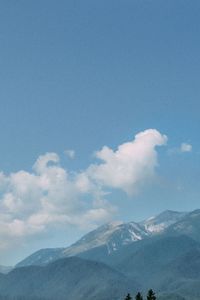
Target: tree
pixel 128 297
pixel 151 295
pixel 138 296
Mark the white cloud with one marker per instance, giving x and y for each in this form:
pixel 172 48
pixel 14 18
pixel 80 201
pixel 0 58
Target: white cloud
pixel 131 164
pixel 185 147
pixel 32 203
pixel 41 164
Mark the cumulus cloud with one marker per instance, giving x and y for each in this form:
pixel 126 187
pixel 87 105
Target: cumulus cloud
pixel 131 164
pixel 32 203
pixel 185 147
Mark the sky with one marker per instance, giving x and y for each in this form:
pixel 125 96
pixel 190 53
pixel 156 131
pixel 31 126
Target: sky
pixel 99 116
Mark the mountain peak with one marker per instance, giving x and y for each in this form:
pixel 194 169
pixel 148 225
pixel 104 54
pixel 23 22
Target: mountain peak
pixel 163 220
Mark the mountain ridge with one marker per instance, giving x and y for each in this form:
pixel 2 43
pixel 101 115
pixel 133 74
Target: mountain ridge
pixel 111 236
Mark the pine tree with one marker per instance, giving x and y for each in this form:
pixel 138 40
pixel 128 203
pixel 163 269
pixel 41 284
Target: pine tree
pixel 151 295
pixel 128 297
pixel 138 296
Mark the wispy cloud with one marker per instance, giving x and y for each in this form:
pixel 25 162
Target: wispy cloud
pixel 184 147
pixel 70 153
pixel 33 202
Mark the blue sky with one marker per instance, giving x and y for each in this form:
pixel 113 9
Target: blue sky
pixel 80 75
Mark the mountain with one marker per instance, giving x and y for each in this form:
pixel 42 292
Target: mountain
pixel 150 262
pixel 5 269
pixel 162 253
pixel 188 225
pixel 112 235
pixel 162 221
pixel 168 264
pixel 184 275
pixel 107 239
pixel 42 257
pixel 68 278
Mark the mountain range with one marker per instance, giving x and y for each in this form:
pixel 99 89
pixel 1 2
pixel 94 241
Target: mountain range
pixel 162 252
pixel 108 238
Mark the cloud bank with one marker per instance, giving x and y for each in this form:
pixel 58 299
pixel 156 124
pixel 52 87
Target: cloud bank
pixel 32 203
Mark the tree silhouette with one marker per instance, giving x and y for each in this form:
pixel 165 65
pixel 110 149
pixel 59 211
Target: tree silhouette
pixel 128 297
pixel 151 295
pixel 138 296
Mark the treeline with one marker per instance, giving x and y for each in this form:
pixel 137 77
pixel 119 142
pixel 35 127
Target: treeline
pixel 150 296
